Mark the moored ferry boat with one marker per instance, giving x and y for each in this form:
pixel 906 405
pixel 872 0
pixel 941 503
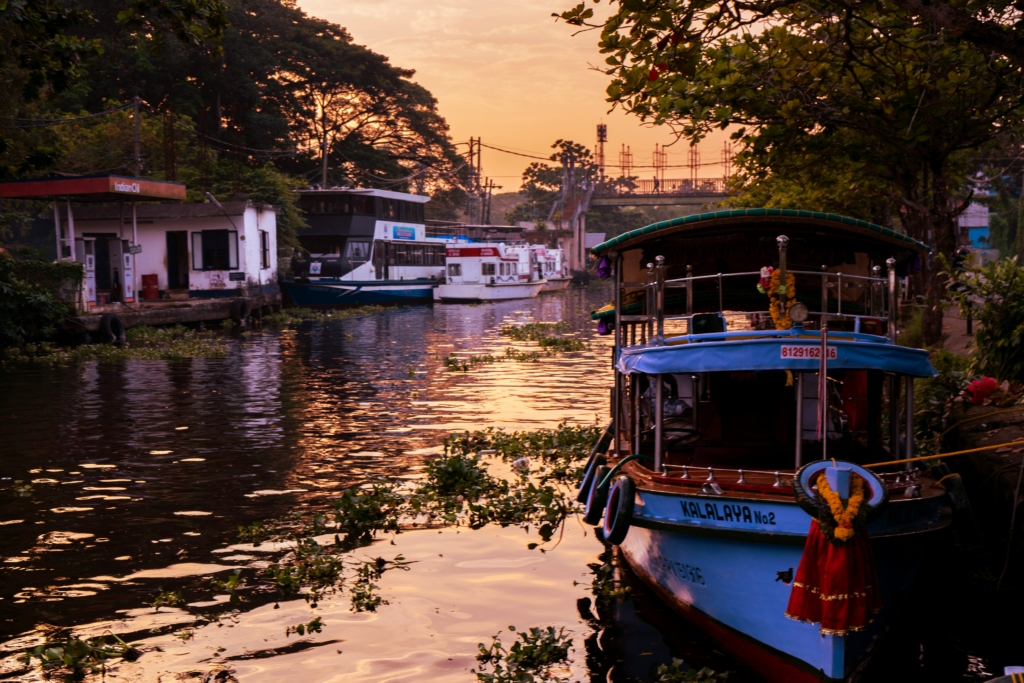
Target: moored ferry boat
pixel 751 480
pixel 489 271
pixel 552 268
pixel 365 246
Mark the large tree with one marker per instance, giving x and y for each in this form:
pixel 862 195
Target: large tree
pixel 814 96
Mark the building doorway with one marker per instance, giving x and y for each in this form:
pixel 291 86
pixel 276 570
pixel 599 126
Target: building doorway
pixel 177 259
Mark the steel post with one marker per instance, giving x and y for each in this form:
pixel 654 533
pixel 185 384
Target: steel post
pixel 799 419
pixel 659 299
pixel 908 446
pixel 658 410
pixel 890 264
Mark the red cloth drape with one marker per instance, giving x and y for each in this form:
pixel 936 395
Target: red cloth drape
pixel 836 585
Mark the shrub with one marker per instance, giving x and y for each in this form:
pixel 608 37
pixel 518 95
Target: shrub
pixel 997 294
pixel 33 298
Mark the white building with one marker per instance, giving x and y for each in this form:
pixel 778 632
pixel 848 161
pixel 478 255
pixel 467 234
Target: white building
pixel 190 250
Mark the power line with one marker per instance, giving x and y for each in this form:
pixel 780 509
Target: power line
pixel 267 152
pixel 46 123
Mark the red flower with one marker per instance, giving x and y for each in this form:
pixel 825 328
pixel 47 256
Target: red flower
pixel 654 74
pixel 978 390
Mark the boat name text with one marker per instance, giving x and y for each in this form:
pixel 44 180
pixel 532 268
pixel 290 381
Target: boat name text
pixel 728 512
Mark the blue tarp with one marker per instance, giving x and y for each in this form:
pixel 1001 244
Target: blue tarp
pixel 780 353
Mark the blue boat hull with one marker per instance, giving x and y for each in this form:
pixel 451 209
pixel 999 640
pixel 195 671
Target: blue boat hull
pixel 727 575
pixel 346 293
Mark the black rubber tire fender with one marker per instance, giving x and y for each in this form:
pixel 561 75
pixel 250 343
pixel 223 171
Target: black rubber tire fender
pixel 618 515
pixel 806 499
pixel 596 497
pixel 588 476
pixel 112 329
pixel 240 309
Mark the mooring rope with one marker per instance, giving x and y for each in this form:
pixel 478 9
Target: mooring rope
pixel 948 455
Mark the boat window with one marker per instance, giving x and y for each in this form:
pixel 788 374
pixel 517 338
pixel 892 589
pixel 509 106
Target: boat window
pixel 515 269
pixel 435 254
pixel 487 269
pixel 357 252
pixel 362 205
pixel 322 245
pixel 454 269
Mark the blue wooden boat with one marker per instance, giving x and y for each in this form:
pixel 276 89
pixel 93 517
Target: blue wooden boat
pixel 716 414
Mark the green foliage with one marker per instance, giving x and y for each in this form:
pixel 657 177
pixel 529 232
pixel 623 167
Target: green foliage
pixel 850 108
pixel 294 316
pixel 77 654
pixel 911 334
pixel 935 399
pixel 168 599
pixel 532 331
pixel 529 659
pixel 360 513
pixel 313 626
pixel 179 343
pixel 679 672
pixel 997 294
pixel 34 298
pixel 230 586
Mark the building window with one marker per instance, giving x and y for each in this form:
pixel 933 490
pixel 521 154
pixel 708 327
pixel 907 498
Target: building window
pixel 215 250
pixel 264 249
pixel 487 269
pixel 454 269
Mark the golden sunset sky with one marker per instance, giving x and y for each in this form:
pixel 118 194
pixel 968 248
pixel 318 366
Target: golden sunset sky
pixel 507 72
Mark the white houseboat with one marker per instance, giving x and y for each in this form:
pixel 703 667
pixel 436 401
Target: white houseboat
pixel 552 268
pixel 365 246
pixel 489 272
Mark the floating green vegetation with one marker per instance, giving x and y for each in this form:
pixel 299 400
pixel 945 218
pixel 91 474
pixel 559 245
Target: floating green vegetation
pixel 533 331
pixel 167 599
pixel 542 333
pixel 76 654
pixel 531 658
pixel 458 489
pixel 312 626
pixel 143 343
pixel 679 672
pixel 294 316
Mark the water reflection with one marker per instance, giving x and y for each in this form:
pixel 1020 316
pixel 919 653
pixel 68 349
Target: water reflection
pixel 164 460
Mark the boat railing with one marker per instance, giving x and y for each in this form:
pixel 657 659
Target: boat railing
pixel 772 479
pixel 881 294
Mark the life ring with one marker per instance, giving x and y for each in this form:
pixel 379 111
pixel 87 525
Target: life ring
pixel 596 497
pixel 112 329
pixel 618 515
pixel 808 474
pixel 588 476
pixel 240 310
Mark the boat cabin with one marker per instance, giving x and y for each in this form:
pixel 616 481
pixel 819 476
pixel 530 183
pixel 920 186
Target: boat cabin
pixel 721 321
pixel 492 263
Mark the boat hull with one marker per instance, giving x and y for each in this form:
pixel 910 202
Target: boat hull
pixel 726 579
pixel 556 284
pixel 344 294
pixel 467 292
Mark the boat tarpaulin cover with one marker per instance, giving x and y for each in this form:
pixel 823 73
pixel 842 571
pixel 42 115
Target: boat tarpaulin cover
pixel 774 354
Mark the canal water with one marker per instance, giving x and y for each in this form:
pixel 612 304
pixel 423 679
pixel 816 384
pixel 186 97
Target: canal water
pixel 122 480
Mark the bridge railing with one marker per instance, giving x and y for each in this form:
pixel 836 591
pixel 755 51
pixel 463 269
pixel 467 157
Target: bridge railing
pixel 669 186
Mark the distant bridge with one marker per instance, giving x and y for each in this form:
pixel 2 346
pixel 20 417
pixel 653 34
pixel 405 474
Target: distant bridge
pixel 662 192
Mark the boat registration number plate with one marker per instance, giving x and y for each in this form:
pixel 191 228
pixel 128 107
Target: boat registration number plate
pixel 807 351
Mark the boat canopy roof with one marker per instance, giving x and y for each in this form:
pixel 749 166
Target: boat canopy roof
pixel 757 224
pixel 795 350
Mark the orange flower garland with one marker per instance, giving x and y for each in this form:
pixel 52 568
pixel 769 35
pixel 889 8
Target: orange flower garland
pixel 778 294
pixel 844 518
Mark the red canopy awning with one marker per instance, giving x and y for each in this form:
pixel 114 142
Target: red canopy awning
pixel 98 188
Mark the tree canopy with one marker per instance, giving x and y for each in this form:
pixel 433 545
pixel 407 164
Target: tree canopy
pixel 249 96
pixel 866 109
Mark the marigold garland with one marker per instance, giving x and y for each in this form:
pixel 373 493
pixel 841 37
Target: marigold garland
pixel 779 311
pixel 844 517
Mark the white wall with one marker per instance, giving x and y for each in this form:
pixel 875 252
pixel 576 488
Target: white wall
pixel 153 239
